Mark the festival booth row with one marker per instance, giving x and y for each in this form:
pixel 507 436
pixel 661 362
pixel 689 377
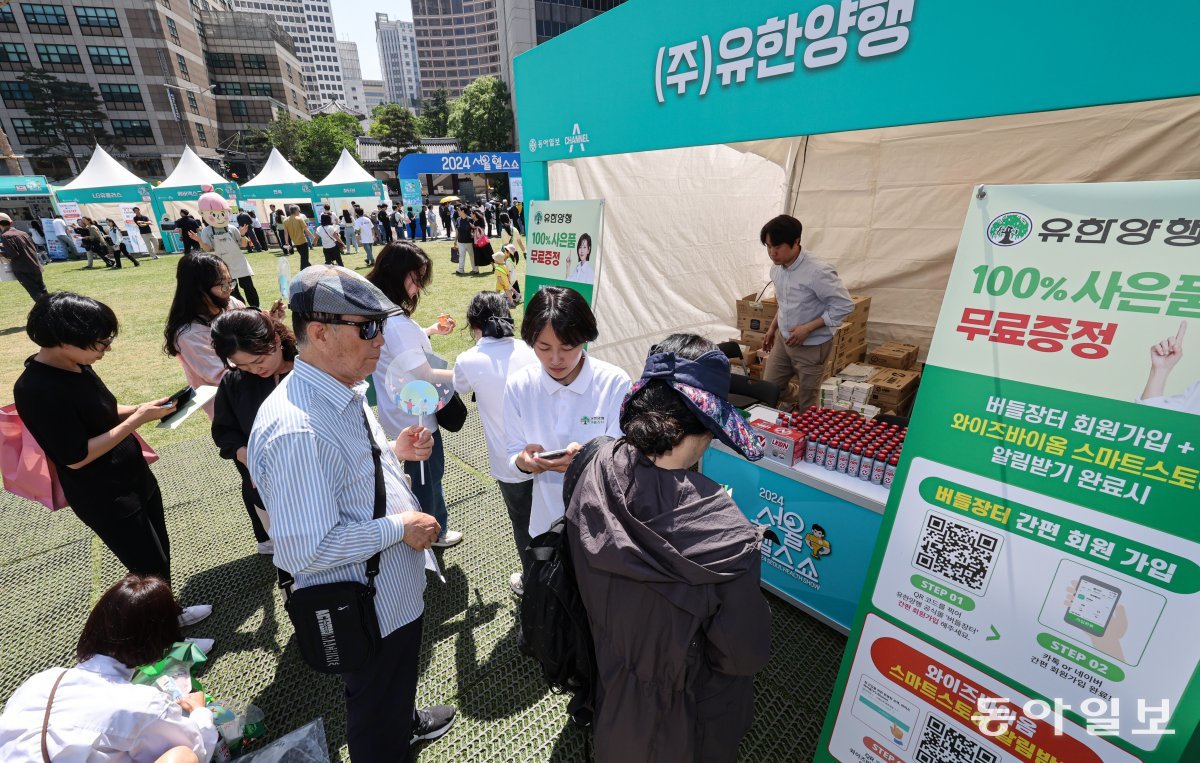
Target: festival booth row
pixel 854 122
pixel 104 190
pixel 182 189
pixel 348 184
pixel 277 185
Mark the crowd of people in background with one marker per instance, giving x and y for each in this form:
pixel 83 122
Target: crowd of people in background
pixel 327 483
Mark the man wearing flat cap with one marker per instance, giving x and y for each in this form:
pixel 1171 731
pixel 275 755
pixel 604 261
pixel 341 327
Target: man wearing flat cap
pixel 316 453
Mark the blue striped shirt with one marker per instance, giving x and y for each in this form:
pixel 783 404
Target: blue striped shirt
pixel 310 457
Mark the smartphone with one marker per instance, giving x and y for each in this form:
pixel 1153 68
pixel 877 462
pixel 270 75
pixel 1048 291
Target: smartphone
pixel 179 398
pixel 550 455
pixel 1092 606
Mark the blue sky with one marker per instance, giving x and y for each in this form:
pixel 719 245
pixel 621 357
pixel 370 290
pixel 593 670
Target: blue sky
pixel 355 20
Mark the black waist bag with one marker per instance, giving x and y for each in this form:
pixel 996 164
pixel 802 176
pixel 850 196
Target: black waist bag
pixel 336 624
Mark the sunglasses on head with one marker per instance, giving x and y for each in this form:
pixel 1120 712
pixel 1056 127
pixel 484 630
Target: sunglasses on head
pixel 367 330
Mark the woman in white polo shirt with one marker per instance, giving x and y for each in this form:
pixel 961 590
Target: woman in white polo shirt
pixel 485 369
pixel 562 403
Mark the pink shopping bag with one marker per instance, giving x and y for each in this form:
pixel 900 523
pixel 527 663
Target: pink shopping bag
pixel 26 469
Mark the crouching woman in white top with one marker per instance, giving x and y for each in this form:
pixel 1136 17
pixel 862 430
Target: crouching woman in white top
pixel 95 713
pixel 561 403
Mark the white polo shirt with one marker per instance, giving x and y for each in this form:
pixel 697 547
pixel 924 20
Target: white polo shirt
pixel 540 410
pixel 485 369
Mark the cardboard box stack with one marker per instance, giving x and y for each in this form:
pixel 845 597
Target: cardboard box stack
pixel 754 317
pixel 850 340
pixel 894 355
pixel 894 389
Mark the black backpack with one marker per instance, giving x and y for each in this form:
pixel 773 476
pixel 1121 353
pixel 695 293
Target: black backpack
pixel 554 628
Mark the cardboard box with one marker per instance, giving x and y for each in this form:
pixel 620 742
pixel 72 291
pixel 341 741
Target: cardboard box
pixel 782 445
pixel 862 308
pixel 845 357
pixel 753 339
pixel 754 323
pixel 857 372
pixel 764 311
pixel 894 355
pixel 893 387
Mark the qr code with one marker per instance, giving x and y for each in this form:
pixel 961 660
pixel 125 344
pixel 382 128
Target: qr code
pixel 957 552
pixel 942 744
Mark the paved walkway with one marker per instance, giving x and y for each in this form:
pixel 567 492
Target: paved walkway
pixel 52 568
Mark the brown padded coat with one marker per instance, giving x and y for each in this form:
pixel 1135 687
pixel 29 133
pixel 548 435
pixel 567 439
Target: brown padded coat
pixel 668 569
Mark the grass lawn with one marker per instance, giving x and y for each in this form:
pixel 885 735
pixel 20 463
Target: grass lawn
pixel 137 370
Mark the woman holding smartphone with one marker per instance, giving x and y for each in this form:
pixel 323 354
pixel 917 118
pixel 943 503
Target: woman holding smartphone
pixel 89 438
pixel 562 402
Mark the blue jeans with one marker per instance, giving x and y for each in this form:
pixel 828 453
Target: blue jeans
pixel 429 494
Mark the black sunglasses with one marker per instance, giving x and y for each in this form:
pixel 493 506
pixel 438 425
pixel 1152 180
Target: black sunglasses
pixel 367 330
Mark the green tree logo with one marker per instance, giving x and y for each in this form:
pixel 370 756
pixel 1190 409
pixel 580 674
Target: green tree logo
pixel 1009 229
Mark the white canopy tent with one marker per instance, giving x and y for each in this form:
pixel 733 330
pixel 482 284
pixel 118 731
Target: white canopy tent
pixel 182 187
pixel 348 182
pixel 106 190
pixel 278 184
pixel 885 206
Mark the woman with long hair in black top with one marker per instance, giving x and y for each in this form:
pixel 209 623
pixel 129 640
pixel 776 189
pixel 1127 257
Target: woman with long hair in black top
pixel 259 351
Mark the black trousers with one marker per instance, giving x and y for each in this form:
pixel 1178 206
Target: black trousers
pixel 282 237
pixel 381 699
pixel 246 283
pixel 518 498
pixel 260 235
pixel 140 539
pixel 303 250
pixel 188 244
pixel 32 280
pixel 124 250
pixel 253 502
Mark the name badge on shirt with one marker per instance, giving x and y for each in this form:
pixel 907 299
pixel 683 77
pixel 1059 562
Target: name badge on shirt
pixel 589 420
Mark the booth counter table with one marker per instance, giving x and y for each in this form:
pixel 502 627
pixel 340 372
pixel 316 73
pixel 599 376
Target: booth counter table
pixel 826 524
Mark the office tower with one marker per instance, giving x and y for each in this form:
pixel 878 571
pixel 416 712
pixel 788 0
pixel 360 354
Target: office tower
pixel 310 23
pixel 352 81
pixel 398 60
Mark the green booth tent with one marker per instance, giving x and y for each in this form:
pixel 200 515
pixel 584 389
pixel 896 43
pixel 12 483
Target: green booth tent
pixel 348 182
pixel 279 184
pixel 182 189
pixel 104 190
pixel 873 123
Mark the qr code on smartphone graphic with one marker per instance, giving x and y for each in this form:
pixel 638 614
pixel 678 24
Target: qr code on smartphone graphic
pixel 957 552
pixel 942 744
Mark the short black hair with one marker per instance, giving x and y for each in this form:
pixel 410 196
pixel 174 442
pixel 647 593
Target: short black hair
pixel 252 331
pixel 565 311
pixel 783 229
pixel 64 317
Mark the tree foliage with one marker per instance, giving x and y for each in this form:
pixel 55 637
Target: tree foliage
pixel 434 121
pixel 481 118
pixel 312 146
pixel 68 114
pixel 395 127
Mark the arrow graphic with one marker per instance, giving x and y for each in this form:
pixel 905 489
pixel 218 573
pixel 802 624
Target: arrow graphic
pixel 995 634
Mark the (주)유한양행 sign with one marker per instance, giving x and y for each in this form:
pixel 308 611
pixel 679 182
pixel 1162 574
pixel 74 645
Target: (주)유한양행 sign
pixel 1035 592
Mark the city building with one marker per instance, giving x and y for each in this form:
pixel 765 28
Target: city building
pixel 310 24
pixel 398 60
pixel 253 78
pixel 375 93
pixel 144 60
pixel 459 41
pixel 522 24
pixel 352 81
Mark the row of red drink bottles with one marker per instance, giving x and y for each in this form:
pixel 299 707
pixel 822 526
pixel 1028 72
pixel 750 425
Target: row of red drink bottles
pixel 846 442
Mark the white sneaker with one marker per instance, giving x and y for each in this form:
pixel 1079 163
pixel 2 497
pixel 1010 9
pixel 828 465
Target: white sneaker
pixel 451 538
pixel 194 614
pixel 517 583
pixel 203 644
pixel 266 547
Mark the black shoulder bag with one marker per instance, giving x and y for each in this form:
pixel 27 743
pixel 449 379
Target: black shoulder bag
pixel 336 624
